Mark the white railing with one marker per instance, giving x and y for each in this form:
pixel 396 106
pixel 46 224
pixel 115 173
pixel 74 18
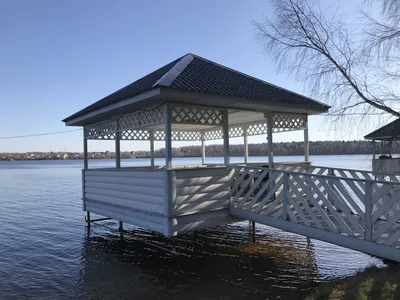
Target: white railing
pixel 341 172
pixel 361 208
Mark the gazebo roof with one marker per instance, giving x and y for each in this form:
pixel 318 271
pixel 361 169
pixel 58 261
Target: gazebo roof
pixel 191 73
pixel 390 131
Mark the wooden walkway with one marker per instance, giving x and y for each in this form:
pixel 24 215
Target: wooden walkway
pixel 354 212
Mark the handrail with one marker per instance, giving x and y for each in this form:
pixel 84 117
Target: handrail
pixel 322 176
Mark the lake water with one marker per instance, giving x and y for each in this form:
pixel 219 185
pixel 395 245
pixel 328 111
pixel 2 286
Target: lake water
pixel 46 251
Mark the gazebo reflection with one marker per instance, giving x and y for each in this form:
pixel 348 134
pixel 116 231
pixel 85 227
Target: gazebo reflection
pixel 218 263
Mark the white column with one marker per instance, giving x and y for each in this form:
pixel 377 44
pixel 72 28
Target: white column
pixel 306 142
pixel 246 145
pixel 168 138
pixel 117 146
pixel 151 137
pixel 203 149
pixel 225 133
pixel 85 151
pixel 270 141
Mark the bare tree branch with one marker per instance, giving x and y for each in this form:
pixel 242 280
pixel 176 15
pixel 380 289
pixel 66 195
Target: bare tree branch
pixel 323 54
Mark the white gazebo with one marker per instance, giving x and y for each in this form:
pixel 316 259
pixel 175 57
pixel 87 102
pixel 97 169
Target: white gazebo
pixel 189 99
pixel 386 163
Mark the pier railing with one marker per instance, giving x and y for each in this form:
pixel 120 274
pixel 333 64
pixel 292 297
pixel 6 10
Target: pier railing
pixel 341 172
pixel 324 206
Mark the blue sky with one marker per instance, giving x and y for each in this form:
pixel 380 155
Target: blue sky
pixel 58 56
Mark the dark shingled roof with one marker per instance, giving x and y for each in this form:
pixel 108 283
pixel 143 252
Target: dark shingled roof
pixel 387 132
pixel 194 73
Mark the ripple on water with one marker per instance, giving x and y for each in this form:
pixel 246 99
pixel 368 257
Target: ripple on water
pixel 46 252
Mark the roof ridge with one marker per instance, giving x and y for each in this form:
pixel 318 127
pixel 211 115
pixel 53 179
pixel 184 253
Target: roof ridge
pixel 175 71
pixel 255 78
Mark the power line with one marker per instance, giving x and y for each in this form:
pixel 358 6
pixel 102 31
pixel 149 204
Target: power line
pixel 37 134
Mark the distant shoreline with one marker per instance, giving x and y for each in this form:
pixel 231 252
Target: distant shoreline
pixel 216 150
pixel 111 158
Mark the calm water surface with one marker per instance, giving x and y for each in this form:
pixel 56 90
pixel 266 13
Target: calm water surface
pixel 46 251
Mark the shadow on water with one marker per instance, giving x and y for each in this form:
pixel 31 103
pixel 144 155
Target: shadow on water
pixel 219 263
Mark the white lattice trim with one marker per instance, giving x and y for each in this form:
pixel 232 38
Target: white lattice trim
pixel 140 119
pixel 104 130
pixel 186 136
pixel 135 135
pixel 196 115
pixel 213 134
pixel 257 128
pixel 283 122
pixel 236 131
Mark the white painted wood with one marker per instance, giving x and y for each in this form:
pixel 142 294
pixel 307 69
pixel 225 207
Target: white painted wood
pixel 246 144
pixel 300 198
pixel 168 138
pixel 117 146
pixel 393 239
pixel 138 205
pixel 159 200
pixel 253 187
pixel 225 131
pixel 270 140
pixel 323 235
pixel 201 220
pixel 306 142
pixel 201 197
pixel 201 172
pixel 151 133
pixel 190 181
pixel 145 183
pixel 85 152
pixel 385 226
pixel 206 206
pixel 203 194
pixel 153 191
pixel 78 121
pixel 127 216
pixel 200 189
pixel 128 173
pixel 83 190
pixel 285 195
pixel 203 149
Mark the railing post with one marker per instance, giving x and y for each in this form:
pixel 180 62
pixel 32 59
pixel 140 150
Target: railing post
pixel 368 210
pixel 331 172
pixel 285 196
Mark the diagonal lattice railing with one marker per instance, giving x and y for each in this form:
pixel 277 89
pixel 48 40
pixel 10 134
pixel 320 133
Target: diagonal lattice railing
pixel 361 209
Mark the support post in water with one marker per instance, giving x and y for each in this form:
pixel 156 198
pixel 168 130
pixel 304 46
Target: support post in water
pixel 88 218
pixel 121 226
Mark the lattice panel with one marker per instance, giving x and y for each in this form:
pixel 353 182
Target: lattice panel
pixel 186 136
pixel 214 134
pixel 257 129
pixel 159 136
pixel 100 131
pixel 193 115
pixel 135 135
pixel 235 131
pixel 284 122
pixel 140 119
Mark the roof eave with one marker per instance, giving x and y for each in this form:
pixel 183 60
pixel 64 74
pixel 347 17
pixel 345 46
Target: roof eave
pixel 81 120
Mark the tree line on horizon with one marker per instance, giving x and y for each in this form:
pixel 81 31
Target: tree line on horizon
pixel 280 149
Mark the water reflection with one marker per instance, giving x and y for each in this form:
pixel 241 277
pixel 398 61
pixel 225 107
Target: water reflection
pixel 219 263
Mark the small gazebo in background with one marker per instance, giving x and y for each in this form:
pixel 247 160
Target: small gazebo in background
pixel 388 161
pixel 189 99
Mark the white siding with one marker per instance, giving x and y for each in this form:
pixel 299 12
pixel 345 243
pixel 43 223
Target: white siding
pixel 386 166
pixel 201 199
pixel 132 196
